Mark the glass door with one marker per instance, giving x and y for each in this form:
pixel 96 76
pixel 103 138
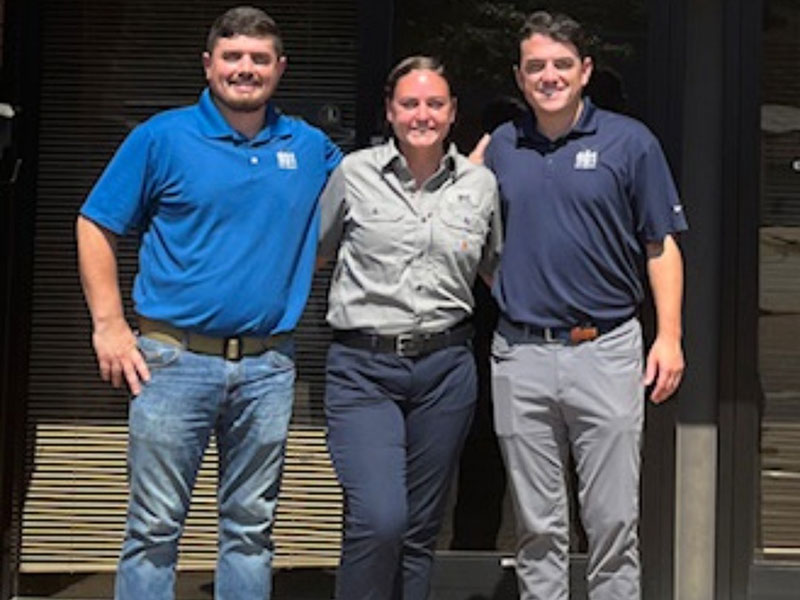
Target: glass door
pixel 779 277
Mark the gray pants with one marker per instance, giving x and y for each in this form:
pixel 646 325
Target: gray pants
pixel 550 398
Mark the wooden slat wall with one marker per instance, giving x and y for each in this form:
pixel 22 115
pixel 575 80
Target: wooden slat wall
pixel 107 66
pixel 75 509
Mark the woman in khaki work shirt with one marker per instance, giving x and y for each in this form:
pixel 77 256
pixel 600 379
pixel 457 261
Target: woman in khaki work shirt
pixel 411 223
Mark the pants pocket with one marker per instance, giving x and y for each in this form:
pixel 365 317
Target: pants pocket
pixel 157 354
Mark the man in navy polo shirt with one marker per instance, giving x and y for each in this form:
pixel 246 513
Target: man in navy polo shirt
pixel 589 206
pixel 224 196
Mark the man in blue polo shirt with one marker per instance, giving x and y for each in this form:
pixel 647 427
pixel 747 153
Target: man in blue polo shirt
pixel 224 196
pixel 589 206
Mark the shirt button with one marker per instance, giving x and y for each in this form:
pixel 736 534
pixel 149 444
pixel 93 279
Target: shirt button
pixel 253 160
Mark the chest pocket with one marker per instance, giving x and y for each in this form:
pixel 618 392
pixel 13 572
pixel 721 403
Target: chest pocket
pixel 461 210
pixel 378 212
pixel 379 238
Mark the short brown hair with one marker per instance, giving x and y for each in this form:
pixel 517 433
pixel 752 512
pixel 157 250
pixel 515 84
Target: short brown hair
pixel 244 20
pixel 558 27
pixel 414 63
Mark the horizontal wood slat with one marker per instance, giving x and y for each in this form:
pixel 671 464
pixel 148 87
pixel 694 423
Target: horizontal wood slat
pixel 75 508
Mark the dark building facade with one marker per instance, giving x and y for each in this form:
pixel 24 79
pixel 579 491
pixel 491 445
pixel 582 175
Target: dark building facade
pixel 717 80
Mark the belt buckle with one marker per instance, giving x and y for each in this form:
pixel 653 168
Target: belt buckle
pixel 406 345
pixel 232 348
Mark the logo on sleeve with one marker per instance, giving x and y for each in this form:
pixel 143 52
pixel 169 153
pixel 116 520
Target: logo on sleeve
pixel 286 159
pixel 586 160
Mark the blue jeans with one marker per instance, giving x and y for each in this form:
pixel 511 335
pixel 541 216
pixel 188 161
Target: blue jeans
pixel 247 404
pixel 396 427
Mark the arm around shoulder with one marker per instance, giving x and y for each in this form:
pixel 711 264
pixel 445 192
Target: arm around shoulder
pixel 332 210
pixel 477 154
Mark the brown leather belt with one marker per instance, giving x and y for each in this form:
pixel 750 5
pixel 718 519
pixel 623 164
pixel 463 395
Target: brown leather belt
pixel 230 348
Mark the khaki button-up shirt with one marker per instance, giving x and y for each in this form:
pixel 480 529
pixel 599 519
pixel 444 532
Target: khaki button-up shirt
pixel 407 257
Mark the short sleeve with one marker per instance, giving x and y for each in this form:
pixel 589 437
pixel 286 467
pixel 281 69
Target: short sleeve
pixel 494 239
pixel 658 208
pixel 332 210
pixel 120 199
pixel 333 155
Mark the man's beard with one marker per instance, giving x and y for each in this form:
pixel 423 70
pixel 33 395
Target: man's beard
pixel 245 105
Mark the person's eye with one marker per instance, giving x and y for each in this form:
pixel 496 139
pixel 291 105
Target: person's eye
pixel 436 103
pixel 534 66
pixel 564 64
pixel 262 59
pixel 231 56
pixel 408 103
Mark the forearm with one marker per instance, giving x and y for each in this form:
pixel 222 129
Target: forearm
pixel 665 272
pixel 97 263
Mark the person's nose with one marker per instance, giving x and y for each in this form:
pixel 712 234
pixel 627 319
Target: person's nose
pixel 246 64
pixel 549 72
pixel 422 111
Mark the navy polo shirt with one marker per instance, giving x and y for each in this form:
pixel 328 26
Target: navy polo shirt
pixel 228 225
pixel 578 211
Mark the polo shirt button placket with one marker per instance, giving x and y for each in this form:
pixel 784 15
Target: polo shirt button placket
pixel 551 147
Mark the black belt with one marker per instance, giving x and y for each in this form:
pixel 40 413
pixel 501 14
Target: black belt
pixel 577 334
pixel 408 345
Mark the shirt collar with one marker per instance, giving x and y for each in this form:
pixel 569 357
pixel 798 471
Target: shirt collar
pixel 214 125
pixel 587 124
pixel 391 159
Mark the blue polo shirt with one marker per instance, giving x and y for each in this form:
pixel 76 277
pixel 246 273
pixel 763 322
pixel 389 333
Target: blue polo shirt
pixel 578 211
pixel 228 225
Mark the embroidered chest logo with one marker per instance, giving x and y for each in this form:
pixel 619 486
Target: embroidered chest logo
pixel 586 160
pixel 466 197
pixel 286 159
